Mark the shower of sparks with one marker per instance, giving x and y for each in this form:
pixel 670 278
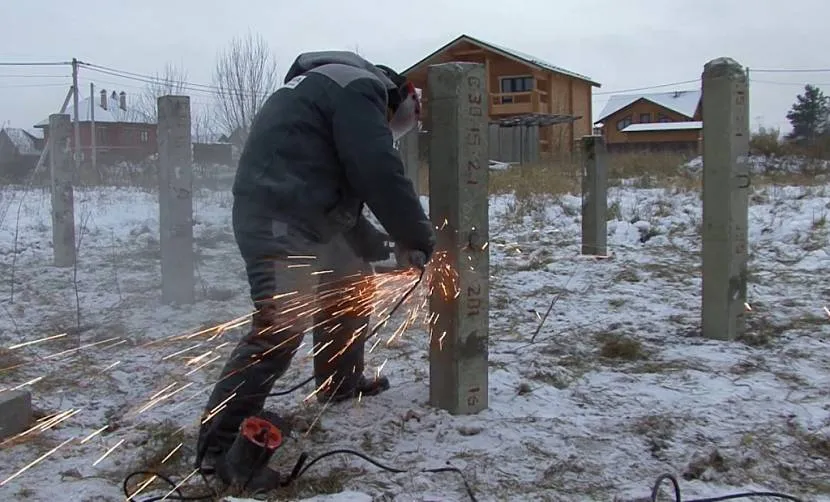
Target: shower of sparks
pixel 107 453
pixel 179 484
pixel 35 462
pixel 93 434
pixel 32 342
pixel 324 307
pixel 44 424
pixel 143 486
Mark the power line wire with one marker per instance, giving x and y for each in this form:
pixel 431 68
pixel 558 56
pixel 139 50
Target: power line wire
pixel 126 73
pixel 32 86
pixel 181 84
pixel 22 63
pixel 658 86
pixel 793 70
pixel 774 82
pixel 7 75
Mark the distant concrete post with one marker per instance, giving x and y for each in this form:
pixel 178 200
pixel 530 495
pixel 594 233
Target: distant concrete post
pixel 15 410
pixel 411 158
pixel 63 196
pixel 594 196
pixel 725 198
pixel 175 199
pixel 458 205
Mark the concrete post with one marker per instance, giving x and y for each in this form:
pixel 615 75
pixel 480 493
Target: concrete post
pixel 411 158
pixel 15 408
pixel 725 198
pixel 63 196
pixel 458 204
pixel 175 199
pixel 594 196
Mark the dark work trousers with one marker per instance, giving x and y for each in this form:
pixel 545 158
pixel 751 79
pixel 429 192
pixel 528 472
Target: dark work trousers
pixel 290 277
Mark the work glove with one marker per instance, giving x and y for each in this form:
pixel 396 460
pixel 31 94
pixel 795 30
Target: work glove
pixel 410 258
pixel 368 242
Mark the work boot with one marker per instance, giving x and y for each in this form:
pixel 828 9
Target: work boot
pixel 361 387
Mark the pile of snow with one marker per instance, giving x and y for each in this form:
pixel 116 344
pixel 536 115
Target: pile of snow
pixel 617 388
pixel 759 164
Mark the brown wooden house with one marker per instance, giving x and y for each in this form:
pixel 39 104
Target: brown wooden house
pixel 519 84
pixel 664 121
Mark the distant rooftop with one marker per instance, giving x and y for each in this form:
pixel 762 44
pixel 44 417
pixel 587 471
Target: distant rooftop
pixel 509 53
pixel 682 102
pixel 113 113
pixel 664 126
pixel 22 140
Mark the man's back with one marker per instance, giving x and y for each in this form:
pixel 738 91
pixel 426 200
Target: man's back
pixel 290 168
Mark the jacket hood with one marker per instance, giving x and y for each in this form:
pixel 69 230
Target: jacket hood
pixel 310 60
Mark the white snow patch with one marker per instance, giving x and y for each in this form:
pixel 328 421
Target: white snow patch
pixel 569 417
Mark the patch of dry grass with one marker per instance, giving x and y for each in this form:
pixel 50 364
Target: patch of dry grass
pixel 620 347
pixel 161 439
pixel 658 430
pixel 10 361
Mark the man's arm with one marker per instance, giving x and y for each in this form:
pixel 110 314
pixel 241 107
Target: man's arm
pixel 367 240
pixel 373 167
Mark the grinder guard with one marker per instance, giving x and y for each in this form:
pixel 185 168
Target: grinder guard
pixel 245 465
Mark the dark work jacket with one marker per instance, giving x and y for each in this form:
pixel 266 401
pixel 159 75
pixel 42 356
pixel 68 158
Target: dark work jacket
pixel 320 148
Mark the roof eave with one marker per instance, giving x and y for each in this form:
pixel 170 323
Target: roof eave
pixel 644 98
pixel 485 45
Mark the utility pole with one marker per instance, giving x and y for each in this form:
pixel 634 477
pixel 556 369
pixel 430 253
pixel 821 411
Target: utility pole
pixel 77 150
pixel 92 140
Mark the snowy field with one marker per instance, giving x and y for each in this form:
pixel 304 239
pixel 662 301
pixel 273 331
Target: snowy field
pixel 617 389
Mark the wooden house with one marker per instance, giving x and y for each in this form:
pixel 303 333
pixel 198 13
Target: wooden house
pixel 520 85
pixel 664 121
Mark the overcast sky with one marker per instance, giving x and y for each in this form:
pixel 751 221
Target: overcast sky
pixel 623 45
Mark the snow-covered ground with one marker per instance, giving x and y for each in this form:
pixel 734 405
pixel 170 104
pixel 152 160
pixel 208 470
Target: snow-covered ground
pixel 617 388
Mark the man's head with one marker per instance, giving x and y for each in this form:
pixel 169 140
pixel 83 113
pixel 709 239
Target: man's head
pixel 404 106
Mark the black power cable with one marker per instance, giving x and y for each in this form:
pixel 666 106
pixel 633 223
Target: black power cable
pixel 655 492
pixel 300 468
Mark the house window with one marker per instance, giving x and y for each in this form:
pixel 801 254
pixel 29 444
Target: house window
pixel 624 122
pixel 645 118
pixel 516 84
pixel 144 136
pixel 662 118
pixel 101 136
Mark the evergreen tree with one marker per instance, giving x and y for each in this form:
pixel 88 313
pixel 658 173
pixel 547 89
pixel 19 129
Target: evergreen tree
pixel 809 115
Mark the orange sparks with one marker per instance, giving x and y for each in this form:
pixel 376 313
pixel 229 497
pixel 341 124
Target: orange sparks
pixel 32 342
pixel 107 453
pixel 35 462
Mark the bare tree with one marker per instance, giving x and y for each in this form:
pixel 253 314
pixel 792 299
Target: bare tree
pixel 171 81
pixel 245 75
pixel 203 125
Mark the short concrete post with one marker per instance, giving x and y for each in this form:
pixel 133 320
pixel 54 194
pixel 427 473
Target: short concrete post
pixel 175 199
pixel 725 198
pixel 63 195
pixel 458 204
pixel 15 409
pixel 594 196
pixel 411 158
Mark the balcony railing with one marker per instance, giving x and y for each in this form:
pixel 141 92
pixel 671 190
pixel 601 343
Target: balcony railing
pixel 509 103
